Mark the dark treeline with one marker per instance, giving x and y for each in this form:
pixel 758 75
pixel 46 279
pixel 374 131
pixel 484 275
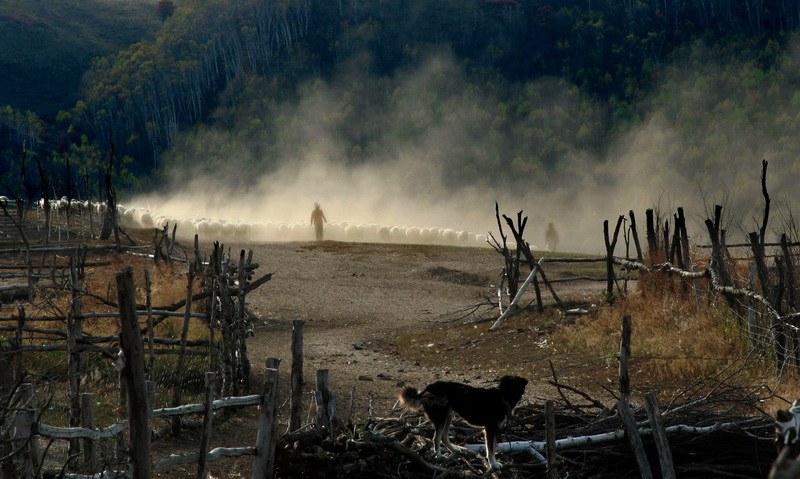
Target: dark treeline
pixel 144 96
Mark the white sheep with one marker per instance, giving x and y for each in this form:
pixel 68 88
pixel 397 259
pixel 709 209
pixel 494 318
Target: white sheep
pixel 143 219
pixel 127 217
pixel 242 232
pixel 335 231
pixel 228 230
pixel 353 233
pixel 397 234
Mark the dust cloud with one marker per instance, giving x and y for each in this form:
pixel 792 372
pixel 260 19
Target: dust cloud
pixel 406 176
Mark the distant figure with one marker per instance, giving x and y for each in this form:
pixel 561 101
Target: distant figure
pixel 551 238
pixel 317 218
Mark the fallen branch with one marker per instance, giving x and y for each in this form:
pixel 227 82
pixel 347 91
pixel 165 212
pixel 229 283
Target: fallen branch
pixel 396 446
pixel 572 442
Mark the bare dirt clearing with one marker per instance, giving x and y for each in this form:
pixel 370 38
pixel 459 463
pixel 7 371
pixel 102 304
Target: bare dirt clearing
pixel 379 315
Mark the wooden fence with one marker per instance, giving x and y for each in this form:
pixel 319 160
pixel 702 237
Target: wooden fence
pixel 768 309
pixel 225 283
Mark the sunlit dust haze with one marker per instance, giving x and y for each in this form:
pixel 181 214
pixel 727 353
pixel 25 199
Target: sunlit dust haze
pixel 440 152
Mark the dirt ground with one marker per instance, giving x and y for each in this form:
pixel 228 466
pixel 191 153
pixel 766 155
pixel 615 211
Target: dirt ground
pixel 380 316
pixel 365 307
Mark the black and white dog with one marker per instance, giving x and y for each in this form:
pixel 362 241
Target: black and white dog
pixel 787 428
pixel 488 408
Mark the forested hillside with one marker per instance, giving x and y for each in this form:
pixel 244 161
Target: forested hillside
pixel 48 45
pixel 493 90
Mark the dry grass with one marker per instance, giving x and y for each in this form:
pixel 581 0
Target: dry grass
pixel 677 342
pixel 673 339
pixel 169 285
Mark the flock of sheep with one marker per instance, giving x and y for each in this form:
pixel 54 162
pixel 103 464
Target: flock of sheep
pixel 269 231
pixel 214 229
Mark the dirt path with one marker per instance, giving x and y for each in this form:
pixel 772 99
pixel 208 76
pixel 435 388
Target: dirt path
pixel 356 300
pixel 359 301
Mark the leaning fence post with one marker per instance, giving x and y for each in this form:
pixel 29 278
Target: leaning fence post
pixel 610 245
pixel 87 421
pixel 326 401
pixel 264 463
pixel 177 392
pixel 632 431
pixel 684 237
pixel 660 437
pixel 635 234
pixel 624 354
pixel 205 437
pixel 134 376
pixel 297 375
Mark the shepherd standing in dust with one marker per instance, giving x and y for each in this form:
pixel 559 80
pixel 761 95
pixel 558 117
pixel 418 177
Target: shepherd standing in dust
pixel 317 218
pixel 551 237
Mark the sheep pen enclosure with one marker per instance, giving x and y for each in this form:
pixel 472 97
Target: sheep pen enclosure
pixel 377 316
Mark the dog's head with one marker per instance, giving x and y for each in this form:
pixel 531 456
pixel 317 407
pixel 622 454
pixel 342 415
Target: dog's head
pixel 787 427
pixel 512 387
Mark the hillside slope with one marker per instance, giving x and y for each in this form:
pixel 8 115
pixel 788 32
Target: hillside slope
pixel 47 45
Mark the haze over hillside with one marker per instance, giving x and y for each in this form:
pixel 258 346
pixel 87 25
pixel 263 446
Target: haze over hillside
pixel 425 113
pixel 415 181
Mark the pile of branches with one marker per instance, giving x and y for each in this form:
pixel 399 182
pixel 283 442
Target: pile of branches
pixel 716 435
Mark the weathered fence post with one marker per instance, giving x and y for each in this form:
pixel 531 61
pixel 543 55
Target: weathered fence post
pixel 550 438
pixel 229 383
pixel 652 239
pixel 75 334
pixel 177 391
pixel 21 439
pixel 295 418
pixel 632 431
pixel 635 235
pixel 610 245
pixel 151 363
pixel 684 235
pixel 151 402
pixel 718 253
pixel 264 464
pixel 205 437
pixel 326 402
pixel 134 377
pixel 198 260
pixel 777 326
pixel 676 250
pixel 241 326
pixel 624 355
pixel 87 421
pixel 660 437
pixel 525 249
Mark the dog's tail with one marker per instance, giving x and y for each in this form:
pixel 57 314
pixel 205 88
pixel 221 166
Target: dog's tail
pixel 410 398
